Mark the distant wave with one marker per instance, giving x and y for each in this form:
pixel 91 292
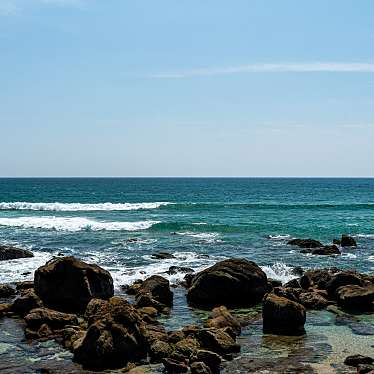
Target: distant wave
pixel 72 207
pixel 74 224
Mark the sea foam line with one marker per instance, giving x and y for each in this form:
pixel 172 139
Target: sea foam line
pixel 74 207
pixel 74 224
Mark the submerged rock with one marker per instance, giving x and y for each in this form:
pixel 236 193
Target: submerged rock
pixel 282 316
pixel 12 253
pixel 179 269
pixel 327 250
pixel 233 283
pixel 348 241
pixel 162 256
pixel 305 243
pixel 356 360
pixel 68 284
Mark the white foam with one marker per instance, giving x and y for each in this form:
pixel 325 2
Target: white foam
pixel 279 271
pixel 365 236
pixel 199 235
pixel 371 258
pixel 74 224
pixel 279 237
pixel 73 207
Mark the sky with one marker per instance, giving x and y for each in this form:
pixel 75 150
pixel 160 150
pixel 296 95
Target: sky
pixel 186 88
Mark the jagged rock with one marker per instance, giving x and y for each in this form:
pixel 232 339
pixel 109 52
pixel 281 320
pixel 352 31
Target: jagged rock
pixel 340 279
pixel 68 284
pixel 305 243
pixel 23 285
pixel 6 291
pixel 159 350
pixel 356 360
pixel 26 302
pixel 53 319
pixel 327 250
pixel 217 340
pixel 355 297
pixel 159 289
pixel 175 336
pixel 187 346
pixel 293 283
pixel 318 278
pixel 162 256
pixel 12 253
pixel 221 318
pixel 288 292
pixel 348 241
pixel 210 359
pixel 200 368
pixel 282 316
pixel 233 283
pixel 274 283
pixel 174 366
pixel 313 300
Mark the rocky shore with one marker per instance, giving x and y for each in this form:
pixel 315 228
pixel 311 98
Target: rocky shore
pixel 74 304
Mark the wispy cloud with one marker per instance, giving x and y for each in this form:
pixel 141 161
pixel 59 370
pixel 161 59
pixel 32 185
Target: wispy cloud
pixel 306 67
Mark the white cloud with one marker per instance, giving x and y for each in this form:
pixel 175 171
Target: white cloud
pixel 306 67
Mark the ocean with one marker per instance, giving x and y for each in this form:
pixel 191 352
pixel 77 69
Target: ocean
pixel 119 223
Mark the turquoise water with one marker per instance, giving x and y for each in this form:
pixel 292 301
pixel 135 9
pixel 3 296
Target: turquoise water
pixel 189 217
pixel 120 223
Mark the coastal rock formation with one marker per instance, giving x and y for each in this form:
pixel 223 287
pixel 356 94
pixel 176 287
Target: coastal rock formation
pixel 27 301
pixel 348 241
pixel 305 243
pixel 327 250
pixel 11 253
pixel 356 297
pixel 342 278
pixel 158 288
pixel 68 284
pixel 233 283
pixel 162 256
pixel 6 291
pixel 282 316
pixel 222 318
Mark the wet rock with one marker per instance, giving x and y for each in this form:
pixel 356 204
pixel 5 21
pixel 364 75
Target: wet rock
pixel 53 319
pixel 340 279
pixel 274 283
pixel 210 359
pixel 68 284
pixel 222 318
pixel 5 309
pixel 23 285
pixel 293 283
pixel 328 250
pixel 305 243
pixel 282 316
pixel 187 347
pixel 26 302
pixel 162 256
pixel 319 278
pixel 355 297
pixel 159 350
pixel 159 289
pixel 6 291
pixel 217 340
pixel 336 241
pixel 356 360
pixel 288 292
pixel 348 241
pixel 365 369
pixel 233 283
pixel 11 253
pixel 200 368
pixel 179 269
pixel 298 271
pixel 174 366
pixel 313 300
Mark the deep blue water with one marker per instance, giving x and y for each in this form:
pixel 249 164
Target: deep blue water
pixel 220 217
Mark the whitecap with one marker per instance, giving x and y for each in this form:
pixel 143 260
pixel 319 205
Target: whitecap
pixel 73 207
pixel 279 237
pixel 74 224
pixel 279 271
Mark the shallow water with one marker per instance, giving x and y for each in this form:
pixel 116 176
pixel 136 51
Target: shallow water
pixel 120 223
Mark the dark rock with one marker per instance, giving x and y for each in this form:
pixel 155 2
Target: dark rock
pixel 274 283
pixel 187 346
pixel 305 243
pixel 200 368
pixel 365 369
pixel 232 283
pixel 12 253
pixel 6 291
pixel 222 318
pixel 355 297
pixel 293 283
pixel 337 242
pixel 282 316
pixel 179 269
pixel 210 359
pixel 313 300
pixel 162 256
pixel 5 308
pixel 159 289
pixel 23 285
pixel 348 241
pixel 327 250
pixel 159 350
pixel 68 284
pixel 175 336
pixel 340 279
pixel 55 320
pixel 356 360
pixel 188 278
pixel 174 366
pixel 288 292
pixel 26 302
pixel 217 340
pixel 298 271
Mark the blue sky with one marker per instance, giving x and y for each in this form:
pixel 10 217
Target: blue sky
pixel 194 88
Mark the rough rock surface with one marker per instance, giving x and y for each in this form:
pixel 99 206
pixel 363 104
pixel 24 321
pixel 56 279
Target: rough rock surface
pixel 348 241
pixel 11 253
pixel 356 297
pixel 305 243
pixel 282 316
pixel 68 284
pixel 232 283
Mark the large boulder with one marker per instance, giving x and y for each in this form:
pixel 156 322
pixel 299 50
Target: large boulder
pixel 233 283
pixel 55 320
pixel 355 297
pixel 159 289
pixel 343 278
pixel 348 241
pixel 305 243
pixel 282 316
pixel 68 284
pixel 115 336
pixel 12 253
